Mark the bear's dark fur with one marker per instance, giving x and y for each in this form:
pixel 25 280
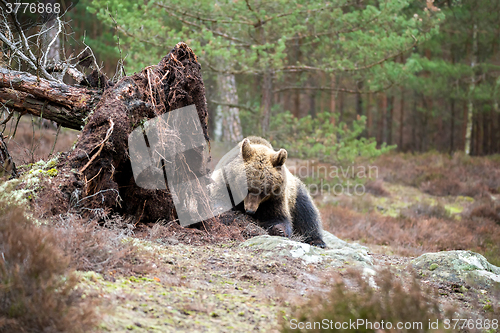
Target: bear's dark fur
pixel 275 197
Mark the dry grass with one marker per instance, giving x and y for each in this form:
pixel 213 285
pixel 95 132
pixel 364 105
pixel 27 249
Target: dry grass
pixel 37 287
pixel 440 174
pixel 102 249
pixel 416 235
pixel 26 148
pixel 390 302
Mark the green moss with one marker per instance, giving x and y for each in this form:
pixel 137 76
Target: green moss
pixel 52 172
pixel 52 163
pixel 433 266
pixel 453 209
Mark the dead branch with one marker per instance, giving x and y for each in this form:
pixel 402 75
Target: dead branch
pixel 65 105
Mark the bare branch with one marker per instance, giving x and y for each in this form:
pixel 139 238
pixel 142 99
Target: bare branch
pixel 33 63
pixel 59 29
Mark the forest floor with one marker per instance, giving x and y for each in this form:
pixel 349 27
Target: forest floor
pixel 224 287
pixel 150 280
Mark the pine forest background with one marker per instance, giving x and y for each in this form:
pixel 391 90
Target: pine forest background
pixel 422 75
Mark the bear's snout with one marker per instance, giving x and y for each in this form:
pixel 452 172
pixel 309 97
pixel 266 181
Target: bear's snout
pixel 251 203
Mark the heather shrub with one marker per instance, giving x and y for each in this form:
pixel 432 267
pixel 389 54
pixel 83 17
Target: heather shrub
pixel 381 298
pixel 103 249
pixel 416 235
pixel 37 289
pixel 487 210
pixel 443 175
pixel 424 209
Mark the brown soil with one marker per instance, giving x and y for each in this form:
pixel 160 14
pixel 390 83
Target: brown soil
pixel 232 225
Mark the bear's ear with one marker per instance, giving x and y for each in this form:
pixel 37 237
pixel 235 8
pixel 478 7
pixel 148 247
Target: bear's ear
pixel 279 158
pixel 246 150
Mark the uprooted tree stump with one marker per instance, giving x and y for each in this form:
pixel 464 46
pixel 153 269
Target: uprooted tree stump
pixel 96 178
pixel 101 155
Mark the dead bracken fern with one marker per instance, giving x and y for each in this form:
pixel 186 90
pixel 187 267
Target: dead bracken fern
pixel 37 288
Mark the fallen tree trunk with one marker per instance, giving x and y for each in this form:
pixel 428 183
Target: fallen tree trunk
pixel 64 104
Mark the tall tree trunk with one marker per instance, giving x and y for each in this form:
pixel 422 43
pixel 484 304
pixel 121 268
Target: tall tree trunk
pixel 414 123
pixel 380 121
pixel 369 115
pixel 452 125
pixel 480 133
pixel 322 99
pixel 359 101
pixel 489 124
pixel 497 127
pixel 425 121
pixel 333 99
pixel 470 109
pixel 312 104
pixel 390 114
pixel 496 120
pixel 296 98
pixel 341 106
pixel 228 124
pixel 401 119
pixel 465 123
pixel 473 148
pixel 402 111
pixel 383 117
pixel 267 95
pixel 296 103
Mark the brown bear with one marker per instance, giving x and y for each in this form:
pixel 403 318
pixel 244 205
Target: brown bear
pixel 254 178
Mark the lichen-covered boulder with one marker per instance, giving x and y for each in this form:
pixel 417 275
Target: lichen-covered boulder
pixel 337 253
pixel 458 267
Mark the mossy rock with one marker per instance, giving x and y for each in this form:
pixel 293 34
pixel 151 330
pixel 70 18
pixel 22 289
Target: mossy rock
pixel 337 253
pixel 459 267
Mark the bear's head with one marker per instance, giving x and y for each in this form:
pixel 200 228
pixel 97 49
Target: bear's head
pixel 265 172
